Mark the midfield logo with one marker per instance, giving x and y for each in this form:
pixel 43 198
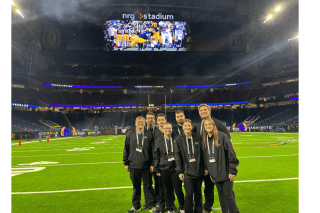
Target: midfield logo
pixel 138 16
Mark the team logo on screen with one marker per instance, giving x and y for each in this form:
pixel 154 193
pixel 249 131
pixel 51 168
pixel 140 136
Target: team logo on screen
pixel 138 15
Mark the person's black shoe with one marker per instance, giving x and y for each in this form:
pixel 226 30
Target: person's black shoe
pixel 175 208
pixel 145 206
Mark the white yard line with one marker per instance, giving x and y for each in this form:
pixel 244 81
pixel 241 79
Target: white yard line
pixel 64 154
pixel 282 146
pixel 74 164
pixel 130 187
pixel 61 149
pixel 55 146
pixel 269 156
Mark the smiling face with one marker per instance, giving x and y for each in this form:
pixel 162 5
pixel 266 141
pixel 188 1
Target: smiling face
pixel 180 117
pixel 140 122
pixel 150 119
pixel 187 127
pixel 161 120
pixel 204 112
pixel 167 129
pixel 208 126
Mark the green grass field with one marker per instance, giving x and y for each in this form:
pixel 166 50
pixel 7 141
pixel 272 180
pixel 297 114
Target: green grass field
pixel 93 179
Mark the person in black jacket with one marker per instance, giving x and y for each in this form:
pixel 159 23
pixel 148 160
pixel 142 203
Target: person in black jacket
pixel 150 119
pixel 177 129
pixel 159 190
pixel 137 158
pixel 205 112
pixel 164 166
pixel 221 161
pixel 190 166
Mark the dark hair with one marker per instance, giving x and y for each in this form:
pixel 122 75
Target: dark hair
pixel 215 133
pixel 151 113
pixel 179 111
pixel 161 114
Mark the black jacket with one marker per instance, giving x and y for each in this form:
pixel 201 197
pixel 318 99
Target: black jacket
pixel 220 126
pixel 226 159
pixel 157 133
pixel 177 130
pixel 183 166
pixel 152 131
pixel 160 155
pixel 133 158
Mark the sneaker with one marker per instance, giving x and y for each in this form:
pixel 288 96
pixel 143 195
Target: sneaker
pixel 182 211
pixel 170 212
pixel 131 210
pixel 154 210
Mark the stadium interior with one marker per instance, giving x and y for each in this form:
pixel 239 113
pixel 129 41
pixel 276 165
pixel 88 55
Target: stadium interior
pixel 43 69
pixel 74 74
pixel 58 80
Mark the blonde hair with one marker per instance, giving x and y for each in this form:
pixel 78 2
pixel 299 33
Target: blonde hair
pixel 215 133
pixel 204 105
pixel 139 117
pixel 167 124
pixel 186 120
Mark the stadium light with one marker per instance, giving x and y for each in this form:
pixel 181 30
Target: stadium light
pixel 277 9
pixel 18 11
pixel 269 17
pixel 293 38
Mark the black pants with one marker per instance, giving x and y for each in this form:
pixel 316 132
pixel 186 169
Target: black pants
pixel 160 192
pixel 171 182
pixel 136 175
pixel 158 189
pixel 226 197
pixel 151 184
pixel 208 193
pixel 193 186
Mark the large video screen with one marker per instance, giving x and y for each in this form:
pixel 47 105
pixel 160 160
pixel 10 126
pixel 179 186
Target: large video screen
pixel 131 35
pixel 164 35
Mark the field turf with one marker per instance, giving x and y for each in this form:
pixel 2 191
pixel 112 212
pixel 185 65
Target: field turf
pixel 86 174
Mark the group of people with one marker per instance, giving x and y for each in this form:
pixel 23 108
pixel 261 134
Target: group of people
pixel 185 153
pixel 127 34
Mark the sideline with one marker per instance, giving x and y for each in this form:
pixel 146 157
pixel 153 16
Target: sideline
pixel 37 141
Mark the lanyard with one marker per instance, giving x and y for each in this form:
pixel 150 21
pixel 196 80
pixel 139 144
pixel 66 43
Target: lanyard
pixel 179 130
pixel 191 146
pixel 138 138
pixel 201 127
pixel 208 145
pixel 165 141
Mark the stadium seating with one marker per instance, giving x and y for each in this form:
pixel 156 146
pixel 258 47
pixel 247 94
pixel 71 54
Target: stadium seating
pixel 288 114
pixel 26 121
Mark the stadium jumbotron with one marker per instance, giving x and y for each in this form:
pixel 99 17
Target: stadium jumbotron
pixel 89 76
